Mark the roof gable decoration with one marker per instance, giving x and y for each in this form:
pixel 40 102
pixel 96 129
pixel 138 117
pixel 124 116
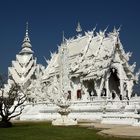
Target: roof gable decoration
pixel 107 48
pixel 51 64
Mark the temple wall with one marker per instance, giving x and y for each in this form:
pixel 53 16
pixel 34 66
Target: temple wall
pixel 113 112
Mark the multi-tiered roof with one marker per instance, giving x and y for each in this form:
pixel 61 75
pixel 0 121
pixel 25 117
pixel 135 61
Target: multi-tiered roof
pixel 24 66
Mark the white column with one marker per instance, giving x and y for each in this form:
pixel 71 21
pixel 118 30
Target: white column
pixel 107 88
pixel 96 86
pixel 121 80
pixel 121 87
pixel 129 88
pixel 98 93
pixel 101 87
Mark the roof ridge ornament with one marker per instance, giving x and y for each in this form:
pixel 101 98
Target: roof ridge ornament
pixel 101 34
pixel 94 28
pixel 119 28
pixel 116 31
pixel 63 37
pixel 115 34
pixel 78 29
pixel 106 29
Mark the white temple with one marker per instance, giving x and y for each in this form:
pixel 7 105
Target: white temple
pixel 91 70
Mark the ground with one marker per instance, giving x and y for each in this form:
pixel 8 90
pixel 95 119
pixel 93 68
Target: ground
pixel 114 130
pixel 45 131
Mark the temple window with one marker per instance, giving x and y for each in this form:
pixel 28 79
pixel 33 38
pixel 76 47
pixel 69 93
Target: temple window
pixel 79 95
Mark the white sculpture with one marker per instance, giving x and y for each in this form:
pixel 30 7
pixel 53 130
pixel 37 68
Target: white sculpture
pixel 58 92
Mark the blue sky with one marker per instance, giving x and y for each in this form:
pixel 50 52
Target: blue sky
pixel 48 18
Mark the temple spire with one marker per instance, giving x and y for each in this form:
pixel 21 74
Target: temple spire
pixel 26 46
pixel 26 28
pixel 63 36
pixel 78 29
pixel 26 38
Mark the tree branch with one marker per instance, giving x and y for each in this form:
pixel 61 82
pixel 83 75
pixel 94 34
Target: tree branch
pixel 16 114
pixel 14 98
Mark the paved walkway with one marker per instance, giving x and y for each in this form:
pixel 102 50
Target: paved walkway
pixel 124 131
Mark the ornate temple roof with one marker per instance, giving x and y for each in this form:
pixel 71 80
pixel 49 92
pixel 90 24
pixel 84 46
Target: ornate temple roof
pixel 91 55
pixel 24 66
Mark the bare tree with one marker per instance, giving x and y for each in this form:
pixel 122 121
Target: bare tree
pixel 11 104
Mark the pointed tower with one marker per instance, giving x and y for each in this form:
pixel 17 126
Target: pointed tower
pixel 23 68
pixel 26 46
pixel 78 29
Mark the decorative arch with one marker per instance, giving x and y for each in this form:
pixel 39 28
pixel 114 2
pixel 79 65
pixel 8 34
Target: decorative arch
pixel 114 83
